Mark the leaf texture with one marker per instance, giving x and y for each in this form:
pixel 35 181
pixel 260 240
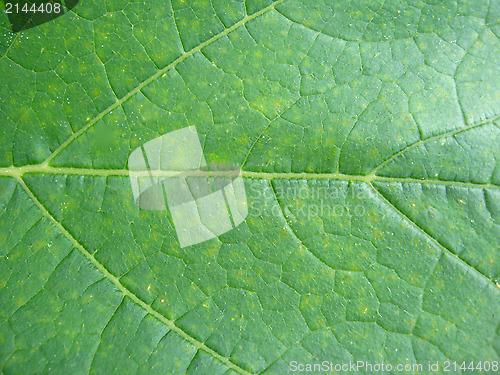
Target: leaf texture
pixel 368 135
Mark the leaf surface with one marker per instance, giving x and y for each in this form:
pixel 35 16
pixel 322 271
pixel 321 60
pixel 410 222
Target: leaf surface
pixel 368 136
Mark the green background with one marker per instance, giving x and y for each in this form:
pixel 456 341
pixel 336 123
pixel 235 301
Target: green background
pixel 394 105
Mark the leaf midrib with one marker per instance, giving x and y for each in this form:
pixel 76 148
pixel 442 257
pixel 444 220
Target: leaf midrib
pixel 47 169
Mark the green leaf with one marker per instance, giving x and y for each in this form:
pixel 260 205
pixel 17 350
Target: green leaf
pixel 368 133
